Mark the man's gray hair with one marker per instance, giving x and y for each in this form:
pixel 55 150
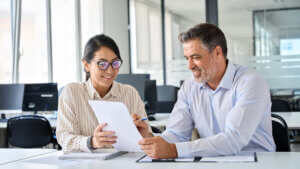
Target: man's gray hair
pixel 209 35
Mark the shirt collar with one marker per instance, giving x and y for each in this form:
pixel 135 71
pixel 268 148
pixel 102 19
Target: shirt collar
pixel 228 77
pixel 94 94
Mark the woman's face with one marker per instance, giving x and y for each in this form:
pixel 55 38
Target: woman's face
pixel 102 78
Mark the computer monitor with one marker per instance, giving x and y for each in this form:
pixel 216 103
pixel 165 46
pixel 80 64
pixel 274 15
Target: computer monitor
pixel 11 98
pixel 40 97
pixel 150 96
pixel 145 87
pixel 135 80
pixel 166 98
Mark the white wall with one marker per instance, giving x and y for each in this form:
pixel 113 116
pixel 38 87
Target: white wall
pixel 115 25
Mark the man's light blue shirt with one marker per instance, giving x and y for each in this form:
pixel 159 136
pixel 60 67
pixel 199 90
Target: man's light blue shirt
pixel 233 118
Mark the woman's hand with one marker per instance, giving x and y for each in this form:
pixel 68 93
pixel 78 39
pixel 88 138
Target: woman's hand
pixel 142 126
pixel 101 138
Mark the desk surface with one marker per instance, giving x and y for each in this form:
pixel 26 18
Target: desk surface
pixel 292 119
pixel 11 155
pixel 276 160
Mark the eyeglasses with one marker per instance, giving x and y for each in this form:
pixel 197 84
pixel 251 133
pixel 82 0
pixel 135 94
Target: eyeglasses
pixel 103 65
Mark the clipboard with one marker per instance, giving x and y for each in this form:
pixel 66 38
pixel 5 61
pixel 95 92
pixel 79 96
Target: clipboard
pixel 238 158
pixel 146 159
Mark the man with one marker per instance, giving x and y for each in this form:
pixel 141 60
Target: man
pixel 228 104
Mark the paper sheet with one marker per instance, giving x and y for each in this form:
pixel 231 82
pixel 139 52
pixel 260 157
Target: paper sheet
pixel 241 157
pixel 118 119
pixel 83 155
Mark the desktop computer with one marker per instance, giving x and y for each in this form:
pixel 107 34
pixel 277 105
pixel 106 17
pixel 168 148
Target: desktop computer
pixel 11 98
pixel 150 98
pixel 40 97
pixel 146 89
pixel 135 80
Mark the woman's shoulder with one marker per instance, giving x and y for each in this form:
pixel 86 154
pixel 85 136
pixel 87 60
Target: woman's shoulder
pixel 71 88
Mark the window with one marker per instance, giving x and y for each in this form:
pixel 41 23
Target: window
pixel 146 39
pixel 179 17
pixel 5 43
pixel 263 36
pixel 63 41
pixel 33 64
pixel 90 19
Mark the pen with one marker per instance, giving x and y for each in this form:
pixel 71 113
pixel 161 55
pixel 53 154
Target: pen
pixel 116 154
pixel 143 119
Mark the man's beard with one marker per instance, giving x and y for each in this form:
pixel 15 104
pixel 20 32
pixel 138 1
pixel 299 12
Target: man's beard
pixel 206 75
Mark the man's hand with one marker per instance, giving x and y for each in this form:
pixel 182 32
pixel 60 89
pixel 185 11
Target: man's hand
pixel 141 126
pixel 157 147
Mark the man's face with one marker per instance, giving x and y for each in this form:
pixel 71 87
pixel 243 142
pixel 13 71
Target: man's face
pixel 200 61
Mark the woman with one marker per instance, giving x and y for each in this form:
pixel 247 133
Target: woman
pixel 77 126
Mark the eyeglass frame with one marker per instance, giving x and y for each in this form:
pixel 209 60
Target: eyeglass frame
pixel 109 64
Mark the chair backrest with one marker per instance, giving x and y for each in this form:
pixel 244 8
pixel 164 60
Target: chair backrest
pixel 166 97
pixel 280 133
pixel 279 105
pixel 29 131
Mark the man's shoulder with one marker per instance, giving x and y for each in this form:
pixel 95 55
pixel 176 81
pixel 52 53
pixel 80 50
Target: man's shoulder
pixel 244 74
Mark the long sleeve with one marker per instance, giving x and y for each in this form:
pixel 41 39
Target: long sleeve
pixel 180 124
pixel 67 131
pixel 235 117
pixel 76 120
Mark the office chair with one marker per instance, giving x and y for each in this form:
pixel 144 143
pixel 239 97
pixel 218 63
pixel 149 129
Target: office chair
pixel 166 97
pixel 279 105
pixel 280 133
pixel 29 131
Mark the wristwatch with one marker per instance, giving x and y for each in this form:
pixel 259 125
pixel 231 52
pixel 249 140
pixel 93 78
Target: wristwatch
pixel 89 143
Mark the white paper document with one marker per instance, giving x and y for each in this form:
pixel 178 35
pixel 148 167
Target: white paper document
pixel 84 155
pixel 118 119
pixel 242 157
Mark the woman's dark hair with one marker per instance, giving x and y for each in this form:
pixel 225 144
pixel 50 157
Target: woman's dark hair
pixel 94 44
pixel 209 34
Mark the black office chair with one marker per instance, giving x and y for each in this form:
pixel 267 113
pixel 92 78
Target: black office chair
pixel 279 105
pixel 280 133
pixel 29 131
pixel 166 97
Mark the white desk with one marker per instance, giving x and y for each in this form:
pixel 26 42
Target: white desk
pixel 12 155
pixel 278 160
pixel 291 118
